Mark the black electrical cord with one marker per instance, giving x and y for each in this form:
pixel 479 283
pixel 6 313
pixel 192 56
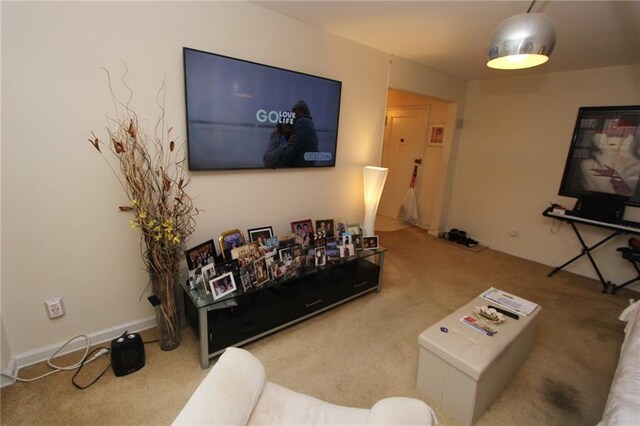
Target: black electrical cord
pixel 89 356
pixel 73 379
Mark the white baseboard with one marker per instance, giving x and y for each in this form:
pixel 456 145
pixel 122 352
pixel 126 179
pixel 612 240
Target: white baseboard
pixel 13 370
pixel 44 353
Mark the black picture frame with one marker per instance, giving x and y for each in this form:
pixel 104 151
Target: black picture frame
pixel 326 227
pixel 358 244
pixel 200 255
pixel 260 235
pixel 604 155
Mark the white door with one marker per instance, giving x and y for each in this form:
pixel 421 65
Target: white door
pixel 404 137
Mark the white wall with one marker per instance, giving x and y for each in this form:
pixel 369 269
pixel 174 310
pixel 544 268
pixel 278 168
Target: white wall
pixel 5 349
pixel 513 148
pixel 62 234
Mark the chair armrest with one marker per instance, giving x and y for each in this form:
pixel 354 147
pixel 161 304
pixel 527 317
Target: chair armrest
pixel 228 393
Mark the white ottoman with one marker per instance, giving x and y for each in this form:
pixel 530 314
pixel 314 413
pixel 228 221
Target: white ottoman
pixel 465 370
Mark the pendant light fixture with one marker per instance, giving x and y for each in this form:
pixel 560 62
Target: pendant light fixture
pixel 522 41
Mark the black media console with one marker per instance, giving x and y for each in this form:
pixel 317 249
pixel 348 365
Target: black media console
pixel 239 319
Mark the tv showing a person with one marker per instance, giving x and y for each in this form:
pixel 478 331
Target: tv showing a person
pixel 244 115
pixel 294 146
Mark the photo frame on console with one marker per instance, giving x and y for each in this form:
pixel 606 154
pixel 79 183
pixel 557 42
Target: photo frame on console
pixel 246 281
pixel 340 226
pixel 325 227
pixel 354 228
pixel 358 244
pixel 208 273
pixel 197 282
pixel 332 251
pixel 229 240
pixel 346 238
pixel 200 255
pixel 261 271
pixel 371 242
pixel 320 256
pixel 347 250
pixel 260 235
pixel 222 285
pixel 285 254
pixel 304 231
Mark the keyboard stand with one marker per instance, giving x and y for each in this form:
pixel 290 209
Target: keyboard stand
pixel 586 250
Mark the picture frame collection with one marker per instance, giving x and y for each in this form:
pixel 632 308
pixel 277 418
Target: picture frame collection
pixel 249 264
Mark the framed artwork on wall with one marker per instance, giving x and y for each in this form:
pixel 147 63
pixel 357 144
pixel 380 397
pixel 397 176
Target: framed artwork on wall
pixel 436 133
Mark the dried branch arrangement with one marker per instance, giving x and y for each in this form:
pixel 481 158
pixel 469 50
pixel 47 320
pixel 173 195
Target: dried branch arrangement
pixel 154 176
pixel 152 173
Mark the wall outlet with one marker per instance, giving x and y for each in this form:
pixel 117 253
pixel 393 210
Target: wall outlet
pixel 55 307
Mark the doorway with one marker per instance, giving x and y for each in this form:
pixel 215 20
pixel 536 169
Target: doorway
pixel 404 136
pixel 406 139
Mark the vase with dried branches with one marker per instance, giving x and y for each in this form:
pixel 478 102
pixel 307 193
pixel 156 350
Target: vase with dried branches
pixel 152 171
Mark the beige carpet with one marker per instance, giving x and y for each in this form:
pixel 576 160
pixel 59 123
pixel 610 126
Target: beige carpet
pixel 388 224
pixel 366 350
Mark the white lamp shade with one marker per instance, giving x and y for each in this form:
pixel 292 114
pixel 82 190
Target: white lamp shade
pixel 522 41
pixel 374 178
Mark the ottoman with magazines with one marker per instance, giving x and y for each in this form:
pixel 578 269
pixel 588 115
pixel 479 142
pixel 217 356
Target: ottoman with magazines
pixel 466 360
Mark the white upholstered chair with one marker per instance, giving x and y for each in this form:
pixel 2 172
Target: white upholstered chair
pixel 235 392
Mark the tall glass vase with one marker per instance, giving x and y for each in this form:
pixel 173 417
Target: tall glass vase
pixel 167 319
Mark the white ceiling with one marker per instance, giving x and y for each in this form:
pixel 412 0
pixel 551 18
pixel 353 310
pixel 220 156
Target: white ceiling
pixel 452 36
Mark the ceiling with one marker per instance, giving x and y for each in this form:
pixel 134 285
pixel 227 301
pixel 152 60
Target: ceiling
pixel 452 36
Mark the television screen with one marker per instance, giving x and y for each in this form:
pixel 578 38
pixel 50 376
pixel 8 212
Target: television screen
pixel 244 115
pixel 604 157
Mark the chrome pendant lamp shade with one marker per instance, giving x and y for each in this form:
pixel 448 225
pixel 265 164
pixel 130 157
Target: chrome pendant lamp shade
pixel 522 41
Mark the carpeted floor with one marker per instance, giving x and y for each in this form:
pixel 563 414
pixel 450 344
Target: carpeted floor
pixel 388 224
pixel 367 349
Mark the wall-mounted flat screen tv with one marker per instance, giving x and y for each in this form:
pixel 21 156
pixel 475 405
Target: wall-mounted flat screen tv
pixel 244 115
pixel 604 157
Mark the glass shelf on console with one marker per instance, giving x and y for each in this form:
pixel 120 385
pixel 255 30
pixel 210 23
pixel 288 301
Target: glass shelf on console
pixel 200 300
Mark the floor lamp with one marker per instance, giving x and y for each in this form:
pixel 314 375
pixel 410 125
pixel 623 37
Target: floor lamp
pixel 374 178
